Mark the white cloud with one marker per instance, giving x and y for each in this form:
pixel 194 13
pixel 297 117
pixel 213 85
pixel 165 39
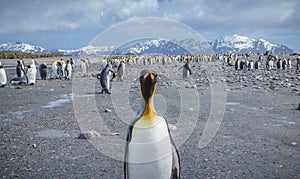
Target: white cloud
pixel 209 16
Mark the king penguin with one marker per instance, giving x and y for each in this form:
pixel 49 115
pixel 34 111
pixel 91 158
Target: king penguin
pixel 3 78
pixel 150 151
pixel 31 75
pixel 54 69
pixel 68 70
pixel 105 79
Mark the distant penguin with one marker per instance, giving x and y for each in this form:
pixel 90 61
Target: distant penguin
pixel 19 80
pixel 19 69
pixel 251 65
pixel 104 63
pixel 121 71
pixel 289 63
pixel 43 71
pixel 83 67
pixel 284 64
pixel 150 151
pixel 270 64
pixel 298 63
pixel 279 64
pixel 3 77
pixel 186 69
pixel 87 64
pixel 33 65
pixel 59 65
pixel 63 66
pixel 68 70
pixel 237 64
pixel 242 65
pixel 105 79
pixel 31 75
pixel 256 65
pixel 54 69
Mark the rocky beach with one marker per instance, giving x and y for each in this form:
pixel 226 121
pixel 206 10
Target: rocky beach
pixel 226 123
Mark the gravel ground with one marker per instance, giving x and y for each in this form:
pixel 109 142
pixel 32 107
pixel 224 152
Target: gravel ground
pixel 257 138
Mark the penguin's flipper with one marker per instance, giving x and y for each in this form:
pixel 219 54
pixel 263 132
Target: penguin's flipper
pixel 175 162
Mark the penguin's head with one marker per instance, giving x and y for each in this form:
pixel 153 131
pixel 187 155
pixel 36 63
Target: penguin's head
pixel 147 84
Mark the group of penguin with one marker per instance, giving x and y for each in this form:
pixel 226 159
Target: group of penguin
pixel 281 63
pixel 25 74
pixel 60 69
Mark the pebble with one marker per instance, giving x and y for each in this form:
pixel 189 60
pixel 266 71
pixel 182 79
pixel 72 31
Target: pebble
pixel 107 110
pixel 89 135
pixel 294 143
pixel 298 106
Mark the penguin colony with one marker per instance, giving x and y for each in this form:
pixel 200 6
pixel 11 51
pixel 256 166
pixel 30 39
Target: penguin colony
pixel 148 133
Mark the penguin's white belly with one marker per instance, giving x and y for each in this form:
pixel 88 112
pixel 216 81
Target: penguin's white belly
pixel 185 72
pixel 83 68
pixel 3 78
pixel 69 68
pixel 150 151
pixel 54 69
pixel 31 76
pixel 121 71
pixel 63 67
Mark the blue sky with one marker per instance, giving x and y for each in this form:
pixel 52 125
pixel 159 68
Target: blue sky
pixel 70 24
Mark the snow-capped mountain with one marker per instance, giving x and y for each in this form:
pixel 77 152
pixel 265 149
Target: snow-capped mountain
pixel 88 50
pixel 152 46
pixel 22 47
pixel 226 44
pixel 243 44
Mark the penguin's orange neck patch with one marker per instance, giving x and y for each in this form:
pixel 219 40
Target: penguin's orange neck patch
pixel 148 112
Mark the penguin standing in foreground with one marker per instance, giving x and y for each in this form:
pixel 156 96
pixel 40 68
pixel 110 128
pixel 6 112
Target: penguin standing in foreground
pixel 3 78
pixel 150 151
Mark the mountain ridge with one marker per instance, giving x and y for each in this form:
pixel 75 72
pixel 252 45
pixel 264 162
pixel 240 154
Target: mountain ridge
pixel 222 45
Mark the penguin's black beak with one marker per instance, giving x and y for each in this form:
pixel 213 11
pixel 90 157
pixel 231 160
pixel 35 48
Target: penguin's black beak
pixel 148 84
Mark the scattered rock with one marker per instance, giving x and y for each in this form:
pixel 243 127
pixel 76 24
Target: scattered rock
pixel 298 106
pixel 194 86
pixel 107 110
pixel 88 135
pixel 294 143
pixel 256 87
